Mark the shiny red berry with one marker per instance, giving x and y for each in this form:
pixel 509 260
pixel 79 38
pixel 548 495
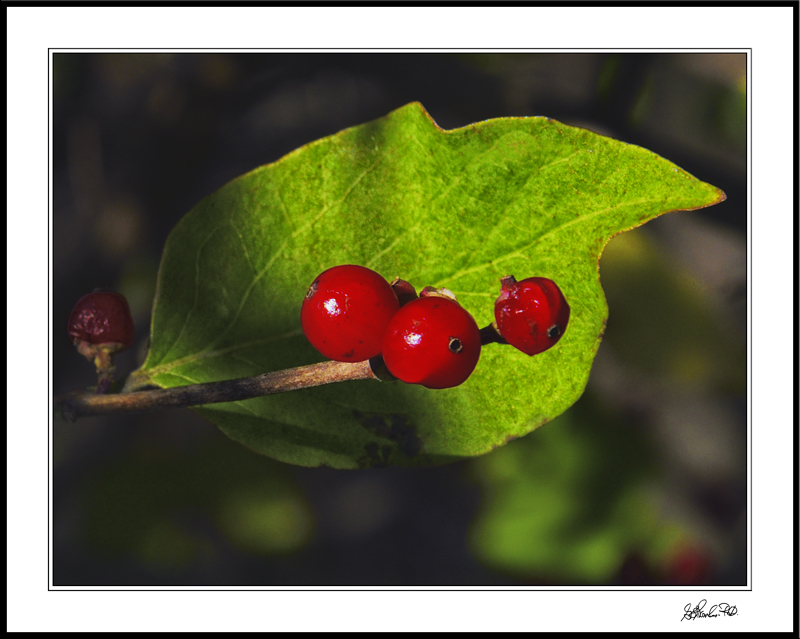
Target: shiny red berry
pixel 532 314
pixel 102 317
pixel 346 311
pixel 432 341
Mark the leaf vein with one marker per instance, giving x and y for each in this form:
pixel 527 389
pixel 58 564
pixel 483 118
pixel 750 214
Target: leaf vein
pixel 207 354
pixel 507 209
pixel 196 291
pixel 518 252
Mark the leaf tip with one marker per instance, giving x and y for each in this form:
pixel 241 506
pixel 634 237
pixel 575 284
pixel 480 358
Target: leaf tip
pixel 718 197
pixel 418 106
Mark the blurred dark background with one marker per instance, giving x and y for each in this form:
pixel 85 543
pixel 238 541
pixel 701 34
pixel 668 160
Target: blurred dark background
pixel 642 482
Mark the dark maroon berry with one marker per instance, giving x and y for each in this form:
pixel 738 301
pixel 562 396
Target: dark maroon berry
pixel 102 317
pixel 100 325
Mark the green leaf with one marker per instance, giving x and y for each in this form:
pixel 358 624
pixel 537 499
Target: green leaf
pixel 456 209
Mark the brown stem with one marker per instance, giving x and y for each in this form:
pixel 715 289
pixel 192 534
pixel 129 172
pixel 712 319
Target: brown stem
pixel 489 335
pixel 80 404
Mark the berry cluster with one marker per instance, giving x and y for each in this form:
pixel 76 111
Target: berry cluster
pixel 351 313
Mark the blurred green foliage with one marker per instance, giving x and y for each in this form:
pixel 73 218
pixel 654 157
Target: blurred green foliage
pixel 569 503
pixel 164 510
pixel 661 321
pixel 731 113
pixel 265 521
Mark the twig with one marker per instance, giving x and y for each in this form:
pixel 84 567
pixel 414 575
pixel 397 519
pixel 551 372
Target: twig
pixel 82 403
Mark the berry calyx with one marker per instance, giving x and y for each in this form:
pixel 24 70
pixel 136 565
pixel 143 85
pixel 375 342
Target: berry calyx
pixel 430 291
pixel 101 325
pixel 346 311
pixel 432 341
pixel 532 314
pixel 404 290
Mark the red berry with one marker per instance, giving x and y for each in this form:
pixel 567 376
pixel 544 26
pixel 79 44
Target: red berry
pixel 432 341
pixel 346 311
pixel 531 315
pixel 102 317
pixel 691 567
